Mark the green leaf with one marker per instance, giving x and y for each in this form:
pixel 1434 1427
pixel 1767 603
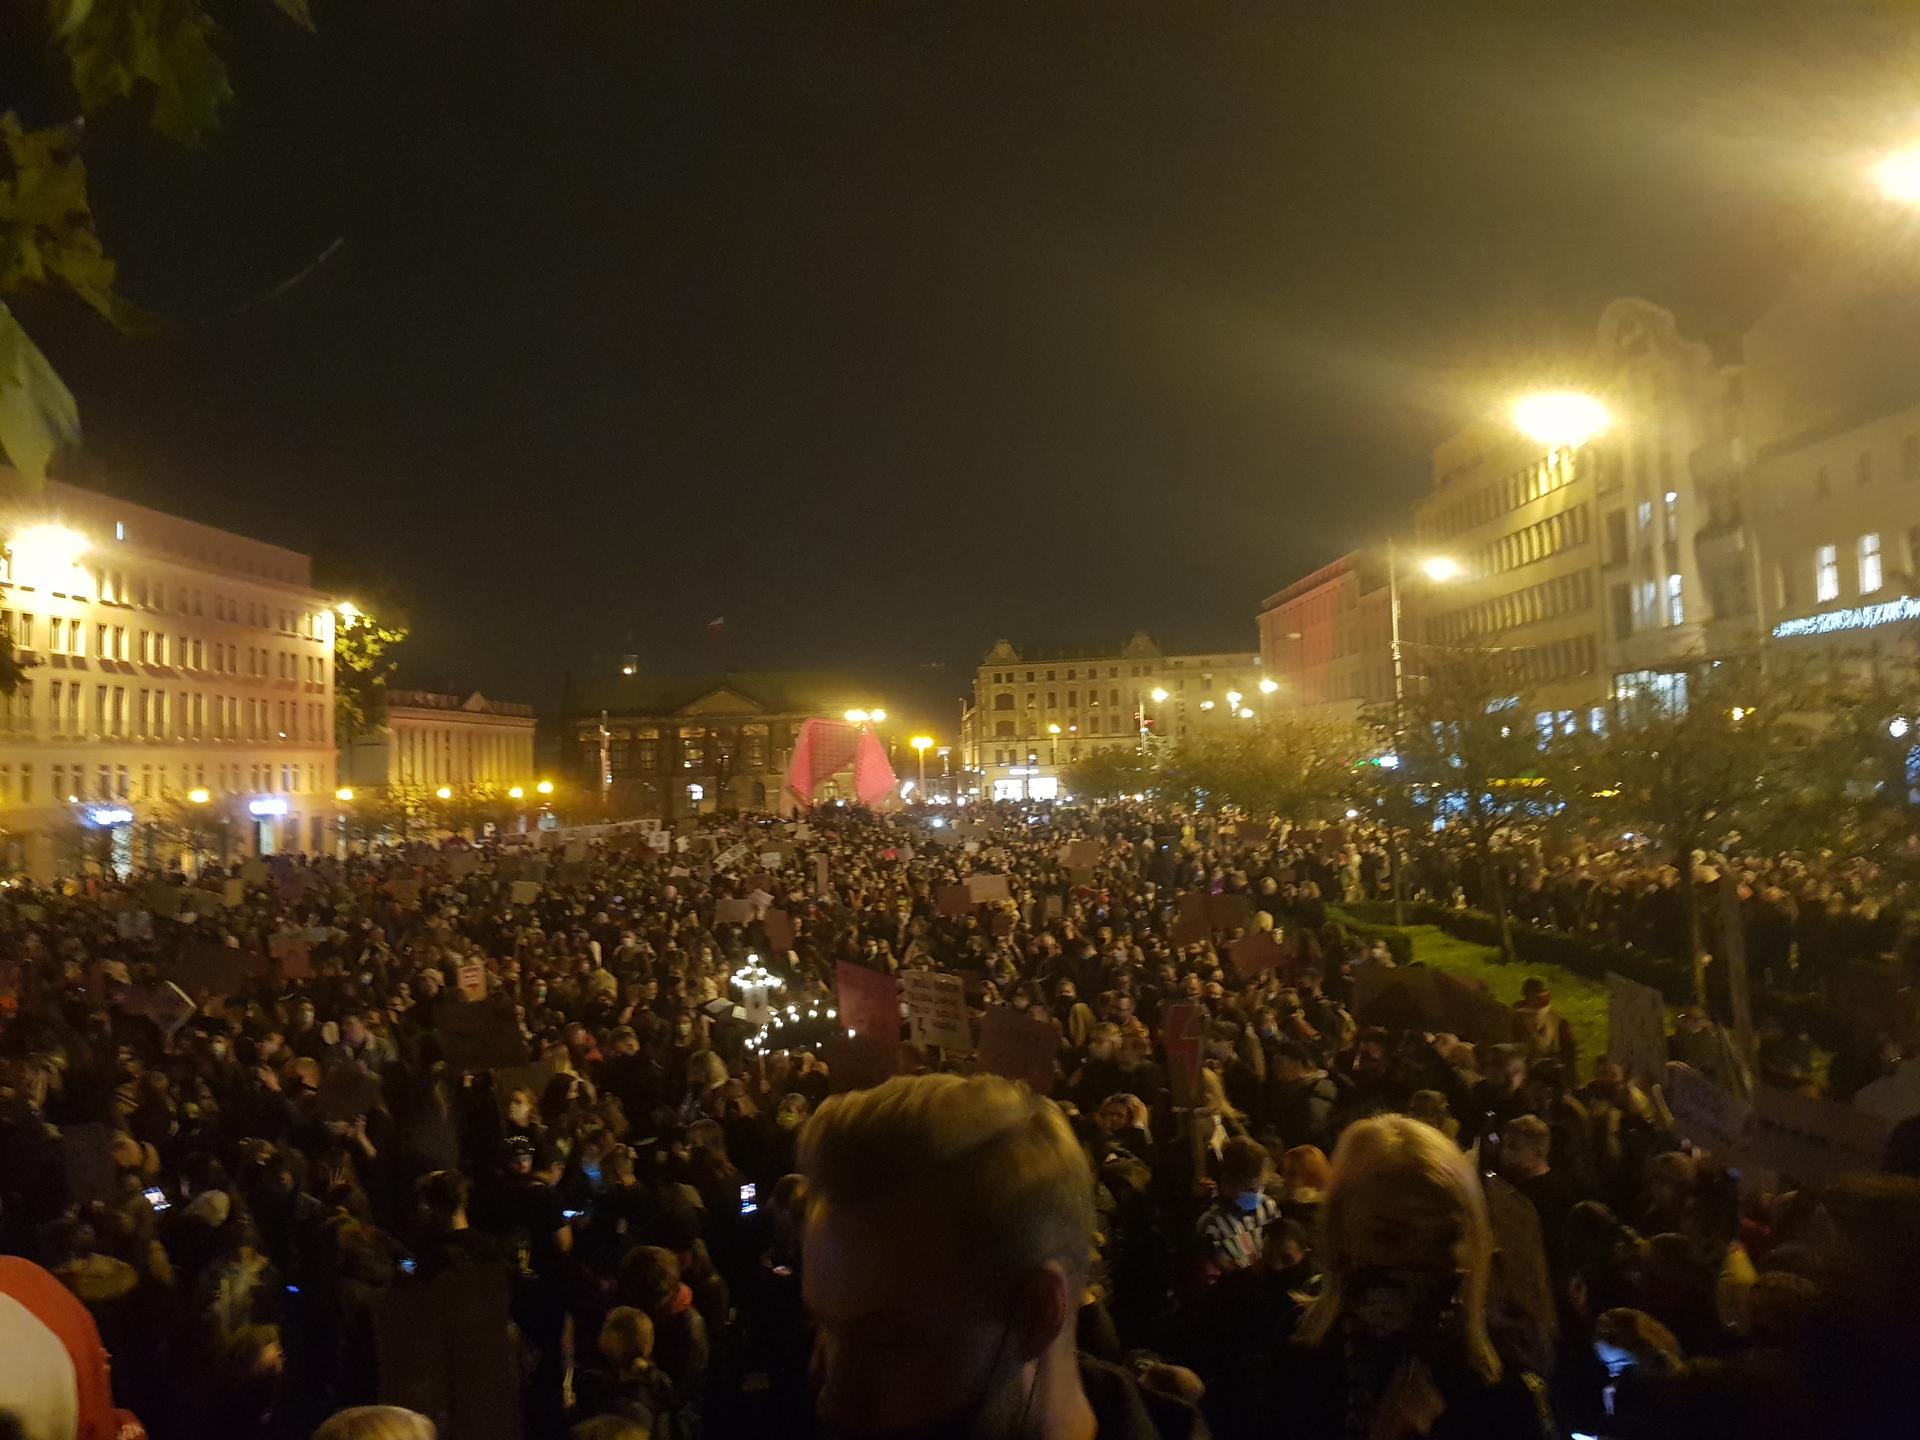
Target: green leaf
pixel 159 53
pixel 47 239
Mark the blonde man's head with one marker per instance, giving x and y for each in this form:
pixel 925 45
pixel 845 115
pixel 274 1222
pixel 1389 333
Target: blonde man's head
pixel 984 1158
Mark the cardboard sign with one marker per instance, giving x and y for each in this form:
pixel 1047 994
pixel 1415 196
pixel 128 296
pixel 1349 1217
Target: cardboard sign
pixel 525 892
pixel 987 889
pixel 732 910
pixel 858 1062
pixel 169 1007
pixel 1255 952
pixel 1080 854
pixel 1183 1030
pixel 233 892
pixel 1052 908
pixel 209 969
pixel 1712 1118
pixel 1813 1140
pixel 730 857
pixel 347 1091
pixel 1019 1047
pixel 294 954
pixel 443 1350
pixel 869 1001
pixel 779 930
pixel 953 901
pixel 937 1010
pixel 478 1036
pixel 1637 1029
pixel 1229 912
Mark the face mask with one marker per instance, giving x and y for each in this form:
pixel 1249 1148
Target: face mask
pixel 1248 1202
pixel 1387 1301
pixel 788 1120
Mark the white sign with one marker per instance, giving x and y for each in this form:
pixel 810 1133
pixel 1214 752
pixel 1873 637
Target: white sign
pixel 1859 617
pixel 1710 1117
pixel 1813 1140
pixel 729 857
pixel 937 1009
pixel 1636 1029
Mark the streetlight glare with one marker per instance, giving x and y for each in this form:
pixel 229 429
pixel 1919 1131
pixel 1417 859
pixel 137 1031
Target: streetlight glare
pixel 1440 567
pixel 876 716
pixel 545 787
pixel 856 717
pixel 199 795
pixel 1898 176
pixel 1053 729
pixel 1560 419
pixel 1269 685
pixel 1233 699
pixel 345 792
pixel 921 742
pixel 1159 695
pixel 444 793
pixel 44 555
pixel 514 792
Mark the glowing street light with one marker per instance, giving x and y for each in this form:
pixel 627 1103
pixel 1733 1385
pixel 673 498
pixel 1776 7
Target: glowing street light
pixel 921 744
pixel 545 787
pixel 199 795
pixel 876 716
pixel 348 613
pixel 1560 419
pixel 345 792
pixel 1268 685
pixel 44 555
pixel 516 792
pixel 1440 568
pixel 1898 176
pixel 1159 695
pixel 856 717
pixel 444 793
pixel 1233 699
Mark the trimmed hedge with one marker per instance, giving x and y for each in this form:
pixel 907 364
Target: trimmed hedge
pixel 1399 943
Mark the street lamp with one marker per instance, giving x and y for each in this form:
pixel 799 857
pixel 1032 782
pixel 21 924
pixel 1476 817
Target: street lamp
pixel 199 795
pixel 1233 700
pixel 1560 419
pixel 1159 697
pixel 44 555
pixel 1898 176
pixel 1053 745
pixel 344 793
pixel 545 787
pixel 515 792
pixel 1268 685
pixel 444 793
pixel 921 744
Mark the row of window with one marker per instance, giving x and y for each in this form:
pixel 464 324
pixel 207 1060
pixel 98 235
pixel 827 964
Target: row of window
pixel 1546 601
pixel 1648 605
pixel 1863 468
pixel 1537 541
pixel 1561 660
pixel 113 587
pixel 1524 486
pixel 1868 563
pixel 1089 672
pixel 640 757
pixel 78 782
pixel 120 712
pixel 156 647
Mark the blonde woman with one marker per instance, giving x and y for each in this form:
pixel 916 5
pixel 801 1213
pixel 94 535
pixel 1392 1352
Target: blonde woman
pixel 1395 1345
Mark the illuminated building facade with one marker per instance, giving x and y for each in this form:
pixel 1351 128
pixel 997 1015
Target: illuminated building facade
pixel 172 666
pixel 431 740
pixel 1035 711
pixel 1327 640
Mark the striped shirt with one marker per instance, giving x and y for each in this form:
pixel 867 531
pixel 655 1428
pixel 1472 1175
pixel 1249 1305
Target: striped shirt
pixel 1234 1237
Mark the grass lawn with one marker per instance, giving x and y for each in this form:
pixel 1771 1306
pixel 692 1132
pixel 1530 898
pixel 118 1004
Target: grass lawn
pixel 1581 1001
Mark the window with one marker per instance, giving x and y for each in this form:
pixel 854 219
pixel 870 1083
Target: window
pixel 1645 611
pixel 1616 537
pixel 1644 515
pixel 54 693
pixel 1826 573
pixel 1672 516
pixel 1676 607
pixel 1869 564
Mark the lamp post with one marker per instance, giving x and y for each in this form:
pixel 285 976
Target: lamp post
pixel 1053 745
pixel 1268 685
pixel 1439 569
pixel 1159 697
pixel 921 744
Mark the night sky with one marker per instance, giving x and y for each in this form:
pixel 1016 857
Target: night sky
pixel 886 329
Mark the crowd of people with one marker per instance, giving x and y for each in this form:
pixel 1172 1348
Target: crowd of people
pixel 456 1136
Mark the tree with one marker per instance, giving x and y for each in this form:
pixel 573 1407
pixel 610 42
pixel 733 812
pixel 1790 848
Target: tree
pixel 184 828
pixel 1292 766
pixel 1736 758
pixel 158 58
pixel 1107 772
pixel 1465 743
pixel 363 662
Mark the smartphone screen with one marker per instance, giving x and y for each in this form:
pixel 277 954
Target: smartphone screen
pixel 407 1267
pixel 157 1198
pixel 571 1214
pixel 749 1198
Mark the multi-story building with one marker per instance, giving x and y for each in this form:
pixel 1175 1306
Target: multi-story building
pixel 431 741
pixel 170 664
pixel 1327 640
pixel 1036 711
pixel 672 747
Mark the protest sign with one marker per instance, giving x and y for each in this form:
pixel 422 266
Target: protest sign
pixel 1080 854
pixel 347 1091
pixel 1019 1047
pixel 478 1035
pixel 1813 1140
pixel 953 901
pixel 730 857
pixel 1712 1118
pixel 1183 1029
pixel 985 889
pixel 168 1006
pixel 1052 908
pixel 772 859
pixel 1636 1029
pixel 1468 1009
pixel 937 1009
pixel 294 954
pixel 233 892
pixel 443 1349
pixel 869 1001
pixel 732 910
pixel 208 969
pixel 1255 952
pixel 857 1062
pixel 525 892
pixel 779 926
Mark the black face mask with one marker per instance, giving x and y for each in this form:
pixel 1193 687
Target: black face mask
pixel 1388 1302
